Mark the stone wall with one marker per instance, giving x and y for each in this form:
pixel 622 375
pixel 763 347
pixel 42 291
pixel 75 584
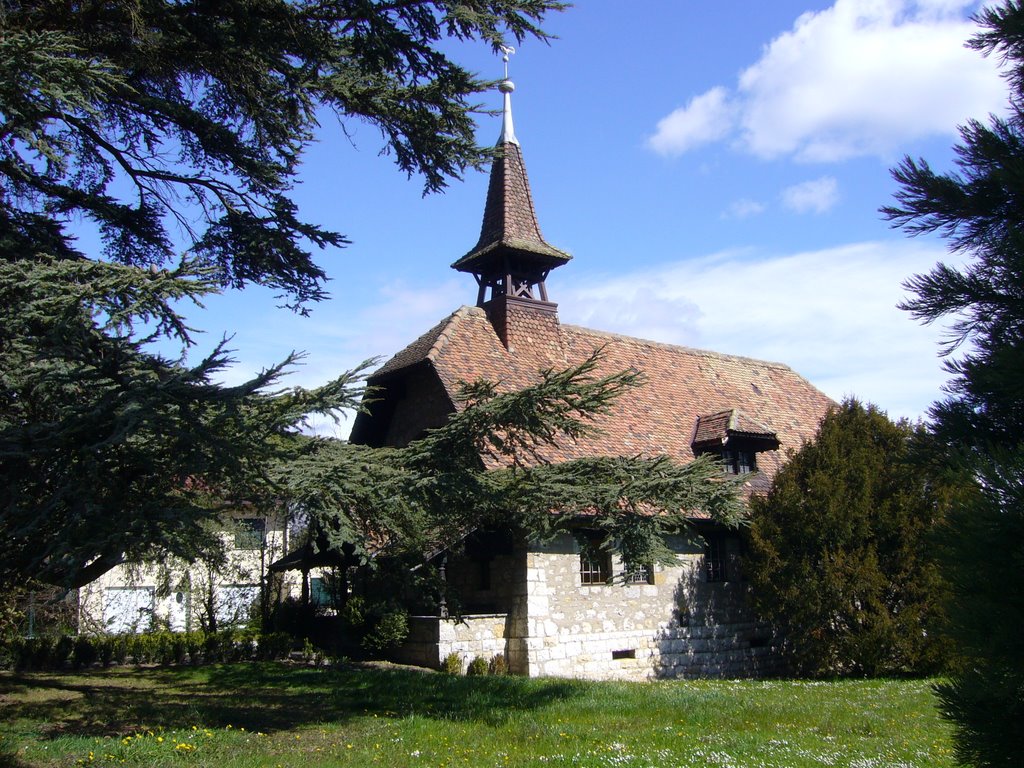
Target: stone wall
pixel 431 639
pixel 679 626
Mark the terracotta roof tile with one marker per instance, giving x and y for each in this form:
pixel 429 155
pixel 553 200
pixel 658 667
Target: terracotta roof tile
pixel 658 418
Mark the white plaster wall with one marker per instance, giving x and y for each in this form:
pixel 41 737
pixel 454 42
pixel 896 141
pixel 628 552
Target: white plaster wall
pixel 179 589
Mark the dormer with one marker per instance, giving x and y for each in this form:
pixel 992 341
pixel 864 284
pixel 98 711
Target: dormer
pixel 735 438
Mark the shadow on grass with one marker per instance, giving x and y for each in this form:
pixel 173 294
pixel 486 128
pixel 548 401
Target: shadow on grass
pixel 258 697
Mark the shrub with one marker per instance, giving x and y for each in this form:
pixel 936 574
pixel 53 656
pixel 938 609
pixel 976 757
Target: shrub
pixel 498 666
pixel 452 664
pixel 85 652
pixel 311 654
pixel 477 667
pixel 119 646
pixel 105 649
pixel 353 614
pixel 144 648
pixel 161 645
pixel 194 643
pixel 178 648
pixel 213 648
pixel 21 653
pixel 234 644
pixel 62 650
pixel 390 630
pixel 164 647
pixel 32 653
pixel 273 645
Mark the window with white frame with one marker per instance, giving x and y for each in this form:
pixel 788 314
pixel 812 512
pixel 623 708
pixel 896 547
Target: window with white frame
pixel 639 574
pixel 234 603
pixel 128 609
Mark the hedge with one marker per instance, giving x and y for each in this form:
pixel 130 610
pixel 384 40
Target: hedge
pixel 70 652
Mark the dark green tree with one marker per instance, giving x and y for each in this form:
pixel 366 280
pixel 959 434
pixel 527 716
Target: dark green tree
pixel 485 467
pixel 839 550
pixel 173 131
pixel 136 115
pixel 109 452
pixel 978 209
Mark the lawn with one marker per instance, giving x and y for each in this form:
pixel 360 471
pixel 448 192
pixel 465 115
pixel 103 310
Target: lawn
pixel 247 715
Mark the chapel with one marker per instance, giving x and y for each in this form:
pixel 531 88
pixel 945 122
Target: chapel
pixel 555 607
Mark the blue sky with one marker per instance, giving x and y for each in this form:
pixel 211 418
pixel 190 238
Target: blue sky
pixel 715 170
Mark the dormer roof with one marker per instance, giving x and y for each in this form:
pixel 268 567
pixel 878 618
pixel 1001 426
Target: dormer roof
pixel 718 430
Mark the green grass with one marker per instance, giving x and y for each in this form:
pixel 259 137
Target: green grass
pixel 248 715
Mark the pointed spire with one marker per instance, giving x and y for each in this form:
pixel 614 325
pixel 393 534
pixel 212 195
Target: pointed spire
pixel 508 133
pixel 511 256
pixel 506 86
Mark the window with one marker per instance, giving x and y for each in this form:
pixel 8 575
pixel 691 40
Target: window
pixel 128 609
pixel 723 553
pixel 739 462
pixel 595 564
pixel 250 533
pixel 234 603
pixel 639 574
pixel 716 558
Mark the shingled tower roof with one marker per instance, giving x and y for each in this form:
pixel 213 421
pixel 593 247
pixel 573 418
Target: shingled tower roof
pixel 511 257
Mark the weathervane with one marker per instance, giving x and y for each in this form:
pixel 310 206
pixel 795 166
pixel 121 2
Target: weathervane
pixel 506 51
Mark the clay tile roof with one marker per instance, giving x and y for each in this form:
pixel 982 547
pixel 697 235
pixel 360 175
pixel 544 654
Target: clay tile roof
pixel 683 385
pixel 424 348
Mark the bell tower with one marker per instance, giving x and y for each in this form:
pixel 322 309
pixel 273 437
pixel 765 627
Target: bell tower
pixel 511 260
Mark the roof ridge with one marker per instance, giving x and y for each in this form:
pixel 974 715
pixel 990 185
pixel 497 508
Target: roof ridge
pixel 668 345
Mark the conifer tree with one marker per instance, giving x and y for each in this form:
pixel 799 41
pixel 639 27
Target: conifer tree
pixel 177 128
pixel 402 501
pixel 174 130
pixel 978 209
pixel 839 550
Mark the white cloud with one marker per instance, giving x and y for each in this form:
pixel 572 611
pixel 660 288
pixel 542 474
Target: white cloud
pixel 830 314
pixel 859 78
pixel 815 196
pixel 708 117
pixel 744 208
